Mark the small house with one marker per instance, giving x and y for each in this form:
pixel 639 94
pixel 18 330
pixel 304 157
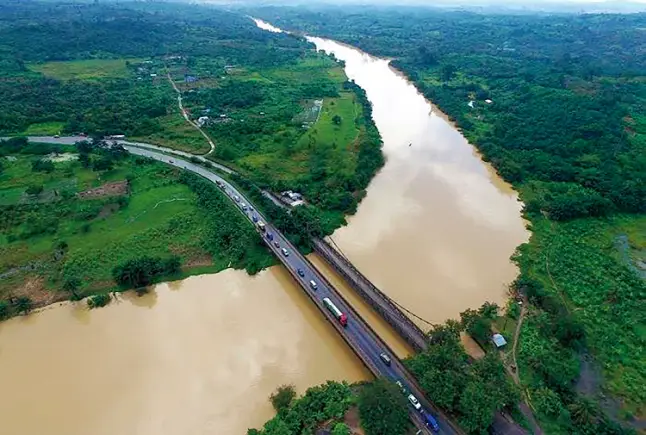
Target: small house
pixel 499 340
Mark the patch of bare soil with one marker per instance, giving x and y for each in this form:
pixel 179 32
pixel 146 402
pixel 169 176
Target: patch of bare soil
pixel 351 418
pixel 114 188
pixel 107 210
pixel 197 262
pixel 34 289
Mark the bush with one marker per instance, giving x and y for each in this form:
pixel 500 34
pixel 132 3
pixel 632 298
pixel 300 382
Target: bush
pixel 23 305
pixel 341 429
pixel 71 284
pixel 5 310
pixel 98 301
pixel 34 189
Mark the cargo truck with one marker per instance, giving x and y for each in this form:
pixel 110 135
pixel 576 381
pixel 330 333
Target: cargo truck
pixel 342 318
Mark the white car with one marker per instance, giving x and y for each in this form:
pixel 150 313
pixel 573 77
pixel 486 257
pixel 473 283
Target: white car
pixel 413 401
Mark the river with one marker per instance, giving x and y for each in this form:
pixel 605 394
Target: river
pixel 201 356
pixel 437 227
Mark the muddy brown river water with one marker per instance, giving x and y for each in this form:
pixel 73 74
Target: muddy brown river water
pixel 201 356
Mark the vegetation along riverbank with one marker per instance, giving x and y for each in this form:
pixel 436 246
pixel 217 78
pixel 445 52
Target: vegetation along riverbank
pixel 556 104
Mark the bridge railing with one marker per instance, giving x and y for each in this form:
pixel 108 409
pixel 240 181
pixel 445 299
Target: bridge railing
pixel 374 297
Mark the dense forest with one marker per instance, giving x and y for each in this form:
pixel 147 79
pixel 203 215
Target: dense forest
pixel 32 33
pixel 556 104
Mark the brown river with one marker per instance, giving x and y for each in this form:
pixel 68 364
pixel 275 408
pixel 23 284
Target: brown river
pixel 201 356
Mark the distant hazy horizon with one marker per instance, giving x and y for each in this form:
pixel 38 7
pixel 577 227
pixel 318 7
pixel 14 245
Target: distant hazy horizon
pixel 529 5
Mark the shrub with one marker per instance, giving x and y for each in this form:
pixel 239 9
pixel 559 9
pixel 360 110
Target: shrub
pixel 98 301
pixel 5 310
pixel 35 189
pixel 42 165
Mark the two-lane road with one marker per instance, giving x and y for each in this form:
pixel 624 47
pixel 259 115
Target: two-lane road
pixel 361 338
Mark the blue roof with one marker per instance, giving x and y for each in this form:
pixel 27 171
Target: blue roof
pixel 499 340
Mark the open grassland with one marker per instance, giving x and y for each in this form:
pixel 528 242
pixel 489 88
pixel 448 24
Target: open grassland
pixel 44 129
pixel 174 132
pixel 93 69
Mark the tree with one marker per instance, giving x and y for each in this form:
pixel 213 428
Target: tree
pixel 140 272
pixel 584 412
pixel 547 402
pixel 72 285
pixel 383 409
pixel 447 72
pixel 337 120
pixel 282 398
pixel 42 165
pixel 23 304
pixel 103 163
pixel 489 310
pixel 477 408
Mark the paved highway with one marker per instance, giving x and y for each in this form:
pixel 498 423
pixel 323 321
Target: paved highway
pixel 358 334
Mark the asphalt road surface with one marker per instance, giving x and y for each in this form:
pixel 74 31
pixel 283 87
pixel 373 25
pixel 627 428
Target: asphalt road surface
pixel 357 333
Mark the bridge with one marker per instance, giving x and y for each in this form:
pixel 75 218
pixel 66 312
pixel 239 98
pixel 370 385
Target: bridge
pixel 380 302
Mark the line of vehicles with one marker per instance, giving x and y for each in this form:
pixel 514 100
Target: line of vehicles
pixel 429 420
pixel 341 317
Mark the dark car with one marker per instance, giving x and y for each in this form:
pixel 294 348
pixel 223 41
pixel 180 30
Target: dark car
pixel 270 236
pixel 431 422
pixel 301 272
pixel 276 244
pixel 385 358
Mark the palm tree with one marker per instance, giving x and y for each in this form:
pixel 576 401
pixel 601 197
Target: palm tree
pixel 584 412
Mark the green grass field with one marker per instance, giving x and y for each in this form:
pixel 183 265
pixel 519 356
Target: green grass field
pixel 44 129
pixel 177 134
pixel 93 69
pixel 268 140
